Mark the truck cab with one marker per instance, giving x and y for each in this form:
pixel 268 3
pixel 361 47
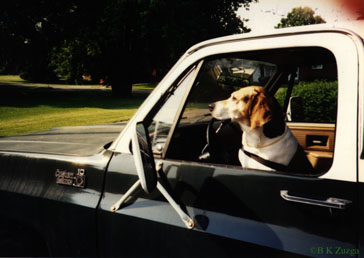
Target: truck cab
pixel 136 195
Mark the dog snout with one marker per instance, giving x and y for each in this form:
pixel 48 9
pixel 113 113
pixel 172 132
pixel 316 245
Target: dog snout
pixel 211 106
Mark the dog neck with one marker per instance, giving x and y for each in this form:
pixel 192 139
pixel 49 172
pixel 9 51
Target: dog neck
pixel 268 134
pixel 273 149
pixel 257 137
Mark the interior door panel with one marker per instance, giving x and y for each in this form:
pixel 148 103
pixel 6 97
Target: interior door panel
pixel 318 141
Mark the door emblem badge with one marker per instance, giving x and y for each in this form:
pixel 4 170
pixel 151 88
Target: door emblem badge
pixel 77 179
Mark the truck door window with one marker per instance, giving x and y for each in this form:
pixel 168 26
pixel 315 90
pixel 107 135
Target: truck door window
pixel 305 78
pixel 167 114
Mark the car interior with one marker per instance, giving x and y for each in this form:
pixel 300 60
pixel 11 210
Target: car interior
pixel 304 82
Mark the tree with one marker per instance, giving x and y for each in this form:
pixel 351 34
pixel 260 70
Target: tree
pixel 300 16
pixel 33 32
pixel 29 30
pixel 144 36
pixel 133 38
pixel 171 27
pixel 122 41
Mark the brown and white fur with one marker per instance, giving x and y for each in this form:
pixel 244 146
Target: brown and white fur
pixel 260 118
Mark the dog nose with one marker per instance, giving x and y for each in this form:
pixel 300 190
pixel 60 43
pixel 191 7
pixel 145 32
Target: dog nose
pixel 211 106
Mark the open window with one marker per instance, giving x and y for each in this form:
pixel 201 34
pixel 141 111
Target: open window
pixel 303 80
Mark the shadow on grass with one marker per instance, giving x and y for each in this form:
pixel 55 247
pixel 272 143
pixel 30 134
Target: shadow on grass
pixel 24 96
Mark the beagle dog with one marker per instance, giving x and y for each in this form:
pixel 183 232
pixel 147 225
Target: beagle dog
pixel 268 144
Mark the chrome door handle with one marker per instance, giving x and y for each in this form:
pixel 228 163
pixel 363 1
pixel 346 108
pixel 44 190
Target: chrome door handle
pixel 331 202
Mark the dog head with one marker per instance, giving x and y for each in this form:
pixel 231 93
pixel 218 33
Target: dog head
pixel 251 106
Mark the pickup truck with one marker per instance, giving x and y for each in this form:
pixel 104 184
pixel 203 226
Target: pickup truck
pixel 169 183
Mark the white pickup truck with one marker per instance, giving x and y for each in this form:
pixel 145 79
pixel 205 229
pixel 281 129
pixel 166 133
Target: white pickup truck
pixel 203 203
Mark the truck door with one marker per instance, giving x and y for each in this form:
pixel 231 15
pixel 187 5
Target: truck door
pixel 242 210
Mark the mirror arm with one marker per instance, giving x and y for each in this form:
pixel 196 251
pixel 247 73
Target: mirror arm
pixel 184 217
pixel 131 190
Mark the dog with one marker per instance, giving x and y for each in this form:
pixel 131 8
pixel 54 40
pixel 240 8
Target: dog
pixel 268 143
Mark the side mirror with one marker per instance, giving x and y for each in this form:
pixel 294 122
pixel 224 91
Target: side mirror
pixel 295 110
pixel 147 173
pixel 143 158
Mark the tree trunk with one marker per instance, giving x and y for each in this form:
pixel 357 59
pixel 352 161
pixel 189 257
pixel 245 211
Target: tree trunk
pixel 121 86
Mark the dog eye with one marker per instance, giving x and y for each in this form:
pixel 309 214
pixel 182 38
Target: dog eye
pixel 233 98
pixel 246 99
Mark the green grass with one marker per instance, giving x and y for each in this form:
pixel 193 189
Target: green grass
pixel 17 79
pixel 11 78
pixel 29 109
pixel 143 86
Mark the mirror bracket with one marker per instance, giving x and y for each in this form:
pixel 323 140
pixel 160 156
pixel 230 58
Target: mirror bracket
pixel 295 110
pixel 184 216
pixel 131 190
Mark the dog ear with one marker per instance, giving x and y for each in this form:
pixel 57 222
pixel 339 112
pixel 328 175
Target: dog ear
pixel 276 126
pixel 261 110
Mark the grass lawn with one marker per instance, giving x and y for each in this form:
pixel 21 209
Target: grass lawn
pixel 11 78
pixel 29 109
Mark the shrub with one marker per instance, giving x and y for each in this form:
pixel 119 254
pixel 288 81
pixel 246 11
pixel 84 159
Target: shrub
pixel 319 100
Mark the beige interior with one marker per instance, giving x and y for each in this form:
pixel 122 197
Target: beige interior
pixel 318 142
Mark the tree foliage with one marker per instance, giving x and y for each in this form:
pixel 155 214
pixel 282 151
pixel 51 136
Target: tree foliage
pixel 300 16
pixel 121 41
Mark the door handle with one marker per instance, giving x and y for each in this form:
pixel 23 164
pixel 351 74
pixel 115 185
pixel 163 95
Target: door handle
pixel 331 202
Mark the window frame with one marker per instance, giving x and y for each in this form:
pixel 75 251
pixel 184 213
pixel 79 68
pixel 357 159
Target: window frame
pixel 194 69
pixel 271 84
pixel 345 163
